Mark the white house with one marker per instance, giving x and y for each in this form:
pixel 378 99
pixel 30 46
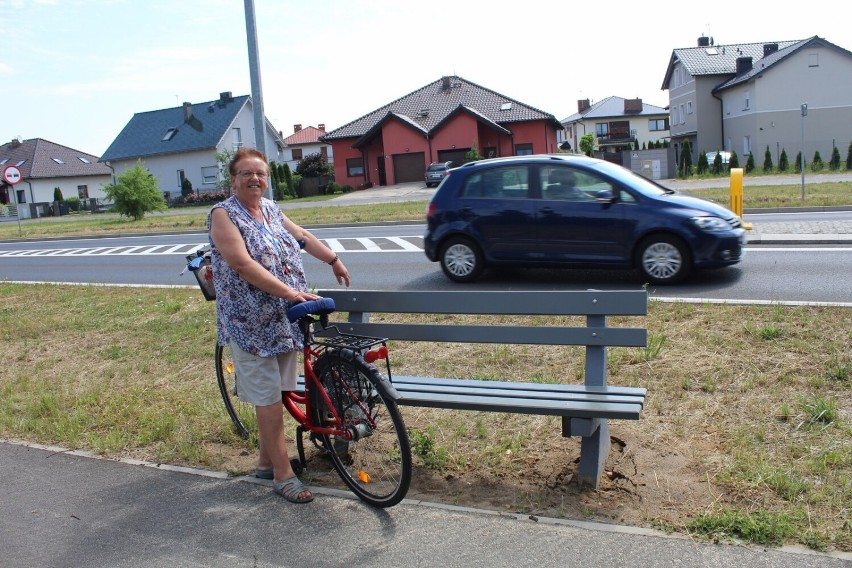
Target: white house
pixel 182 142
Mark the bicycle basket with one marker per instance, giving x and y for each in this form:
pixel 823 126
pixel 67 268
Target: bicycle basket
pixel 200 265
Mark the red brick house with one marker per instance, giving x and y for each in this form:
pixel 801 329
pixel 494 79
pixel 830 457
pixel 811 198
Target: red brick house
pixel 437 123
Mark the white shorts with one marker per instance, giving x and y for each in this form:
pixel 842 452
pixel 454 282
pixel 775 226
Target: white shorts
pixel 260 380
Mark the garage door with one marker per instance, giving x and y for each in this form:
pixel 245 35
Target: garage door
pixel 409 167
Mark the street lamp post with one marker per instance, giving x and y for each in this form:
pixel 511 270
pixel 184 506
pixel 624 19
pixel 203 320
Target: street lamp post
pixel 802 160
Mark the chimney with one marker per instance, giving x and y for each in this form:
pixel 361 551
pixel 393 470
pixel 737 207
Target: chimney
pixel 743 65
pixel 632 105
pixel 769 48
pixel 445 83
pixel 297 127
pixel 187 112
pixel 321 126
pixel 583 104
pixel 280 134
pixel 226 97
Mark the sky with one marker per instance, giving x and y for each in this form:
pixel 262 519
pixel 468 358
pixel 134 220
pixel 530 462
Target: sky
pixel 74 72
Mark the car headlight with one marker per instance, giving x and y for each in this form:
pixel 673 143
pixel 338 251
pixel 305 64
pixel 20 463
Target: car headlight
pixel 711 224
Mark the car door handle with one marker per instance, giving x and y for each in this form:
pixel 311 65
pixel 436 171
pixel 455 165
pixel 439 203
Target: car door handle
pixel 546 210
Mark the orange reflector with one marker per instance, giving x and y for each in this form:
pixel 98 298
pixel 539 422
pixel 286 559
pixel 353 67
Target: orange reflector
pixel 364 476
pixel 229 367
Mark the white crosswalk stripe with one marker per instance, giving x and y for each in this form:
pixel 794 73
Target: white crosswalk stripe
pixel 344 245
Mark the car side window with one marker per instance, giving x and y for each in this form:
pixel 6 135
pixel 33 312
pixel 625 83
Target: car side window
pixel 498 183
pixel 567 184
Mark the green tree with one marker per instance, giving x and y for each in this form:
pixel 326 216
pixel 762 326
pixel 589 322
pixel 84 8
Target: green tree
pixel 473 154
pixel 57 194
pixel 797 167
pixel 288 181
pixel 135 193
pixel 313 165
pixel 685 166
pixel 734 160
pixel 834 163
pixel 223 158
pixel 817 164
pixel 767 160
pixel 587 144
pixel 749 165
pixel 702 166
pixel 849 157
pixel 718 167
pixel 783 162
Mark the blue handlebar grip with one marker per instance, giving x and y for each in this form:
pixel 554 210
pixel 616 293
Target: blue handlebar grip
pixel 302 309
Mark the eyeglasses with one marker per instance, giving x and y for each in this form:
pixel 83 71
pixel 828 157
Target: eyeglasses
pixel 249 175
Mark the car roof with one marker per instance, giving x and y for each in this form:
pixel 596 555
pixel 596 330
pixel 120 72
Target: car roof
pixel 535 158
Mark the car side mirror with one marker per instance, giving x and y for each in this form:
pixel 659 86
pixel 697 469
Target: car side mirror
pixel 605 196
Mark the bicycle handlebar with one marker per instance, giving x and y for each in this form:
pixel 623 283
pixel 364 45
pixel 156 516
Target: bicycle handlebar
pixel 318 307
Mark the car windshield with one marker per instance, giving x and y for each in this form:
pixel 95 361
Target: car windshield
pixel 632 180
pixel 437 167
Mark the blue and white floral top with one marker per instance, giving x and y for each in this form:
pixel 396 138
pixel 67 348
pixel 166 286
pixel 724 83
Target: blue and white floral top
pixel 245 314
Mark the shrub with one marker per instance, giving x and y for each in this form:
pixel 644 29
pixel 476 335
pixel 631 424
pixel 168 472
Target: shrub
pixel 73 203
pixel 783 162
pixel 135 193
pixel 797 167
pixel 767 160
pixel 57 194
pixel 834 163
pixel 685 166
pixel 185 187
pixel 849 157
pixel 734 160
pixel 702 163
pixel 348 188
pixel 817 164
pixel 749 166
pixel 717 163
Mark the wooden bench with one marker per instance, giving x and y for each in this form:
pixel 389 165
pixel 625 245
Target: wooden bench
pixel 584 408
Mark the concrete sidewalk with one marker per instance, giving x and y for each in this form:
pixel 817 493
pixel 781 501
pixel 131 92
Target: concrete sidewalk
pixel 60 508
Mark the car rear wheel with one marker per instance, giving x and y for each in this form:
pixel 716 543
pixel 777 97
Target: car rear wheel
pixel 663 259
pixel 461 260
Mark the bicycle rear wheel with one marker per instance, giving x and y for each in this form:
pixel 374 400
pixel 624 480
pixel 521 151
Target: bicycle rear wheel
pixel 242 414
pixel 376 462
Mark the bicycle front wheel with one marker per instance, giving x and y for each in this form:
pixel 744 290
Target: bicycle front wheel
pixel 242 414
pixel 376 461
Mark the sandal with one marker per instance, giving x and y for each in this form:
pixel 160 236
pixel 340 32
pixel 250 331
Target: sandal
pixel 292 489
pixel 264 473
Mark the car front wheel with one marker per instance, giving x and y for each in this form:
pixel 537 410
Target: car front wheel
pixel 664 259
pixel 461 260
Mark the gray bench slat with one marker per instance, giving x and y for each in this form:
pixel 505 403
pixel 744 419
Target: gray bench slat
pixel 548 303
pixel 575 409
pixel 608 336
pixel 549 387
pixel 407 389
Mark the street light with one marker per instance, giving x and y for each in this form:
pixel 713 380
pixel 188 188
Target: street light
pixel 802 164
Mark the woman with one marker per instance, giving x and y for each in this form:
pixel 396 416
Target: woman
pixel 258 275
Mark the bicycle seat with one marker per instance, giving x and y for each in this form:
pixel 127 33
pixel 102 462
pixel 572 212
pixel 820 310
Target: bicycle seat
pixel 318 307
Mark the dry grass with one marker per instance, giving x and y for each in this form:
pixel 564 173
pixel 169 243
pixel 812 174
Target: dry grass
pixel 748 415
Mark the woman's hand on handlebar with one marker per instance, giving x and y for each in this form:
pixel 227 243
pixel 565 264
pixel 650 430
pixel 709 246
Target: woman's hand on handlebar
pixel 295 296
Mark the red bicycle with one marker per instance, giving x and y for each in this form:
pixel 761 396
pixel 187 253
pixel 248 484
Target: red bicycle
pixel 347 406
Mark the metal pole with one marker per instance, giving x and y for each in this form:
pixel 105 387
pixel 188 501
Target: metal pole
pixel 256 92
pixel 802 164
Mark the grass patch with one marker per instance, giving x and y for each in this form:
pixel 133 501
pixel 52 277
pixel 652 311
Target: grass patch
pixel 817 194
pixel 760 430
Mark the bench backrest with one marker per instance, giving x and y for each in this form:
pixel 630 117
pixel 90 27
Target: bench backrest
pixel 594 305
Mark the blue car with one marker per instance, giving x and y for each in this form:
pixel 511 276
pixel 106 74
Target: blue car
pixel 571 211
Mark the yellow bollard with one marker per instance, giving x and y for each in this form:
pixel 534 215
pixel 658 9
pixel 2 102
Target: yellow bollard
pixel 737 194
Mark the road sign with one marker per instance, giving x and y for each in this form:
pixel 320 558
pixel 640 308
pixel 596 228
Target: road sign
pixel 12 175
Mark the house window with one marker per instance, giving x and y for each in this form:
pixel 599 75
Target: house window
pixel 22 196
pixel 84 160
pixel 682 115
pixel 83 191
pixel 354 167
pixel 181 177
pixel 297 153
pixel 747 100
pixel 523 149
pixel 4 161
pixel 209 175
pixel 688 107
pixel 169 134
pixel 237 138
pixel 602 129
pixel 656 125
pixel 20 163
pixel 58 160
pixel 746 145
pixel 813 60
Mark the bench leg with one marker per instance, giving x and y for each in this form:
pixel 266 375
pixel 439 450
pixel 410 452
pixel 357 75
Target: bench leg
pixel 594 450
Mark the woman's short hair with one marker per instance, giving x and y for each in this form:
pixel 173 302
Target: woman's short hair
pixel 244 153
